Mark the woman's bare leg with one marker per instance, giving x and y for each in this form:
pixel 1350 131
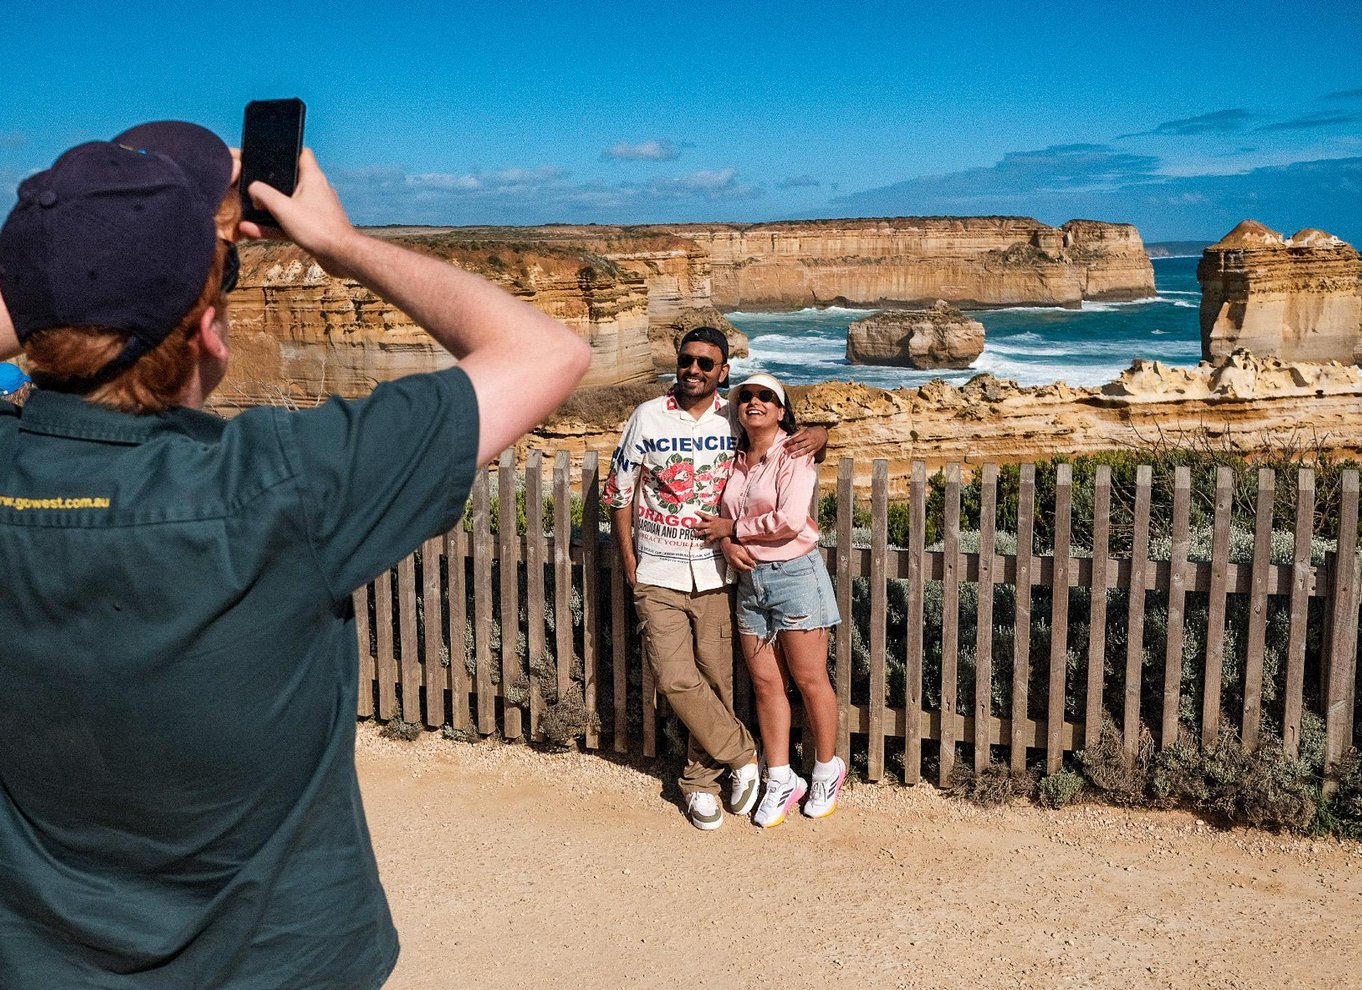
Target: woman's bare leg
pixel 770 684
pixel 806 656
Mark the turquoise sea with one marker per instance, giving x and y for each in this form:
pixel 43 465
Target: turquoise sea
pixel 1030 345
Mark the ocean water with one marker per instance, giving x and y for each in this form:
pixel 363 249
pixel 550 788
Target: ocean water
pixel 1029 344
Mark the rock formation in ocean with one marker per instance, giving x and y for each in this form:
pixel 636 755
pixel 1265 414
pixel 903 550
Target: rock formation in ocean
pixel 299 334
pixel 912 261
pixel 937 337
pixel 1244 405
pixel 1297 298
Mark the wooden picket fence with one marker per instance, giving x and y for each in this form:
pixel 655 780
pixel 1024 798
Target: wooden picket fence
pixel 496 598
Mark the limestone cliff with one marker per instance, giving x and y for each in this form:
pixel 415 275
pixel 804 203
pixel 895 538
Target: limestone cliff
pixel 904 261
pixel 298 334
pixel 1247 404
pixel 939 337
pixel 1298 298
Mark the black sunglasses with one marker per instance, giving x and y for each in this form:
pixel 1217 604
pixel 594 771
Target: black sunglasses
pixel 746 395
pixel 231 268
pixel 684 361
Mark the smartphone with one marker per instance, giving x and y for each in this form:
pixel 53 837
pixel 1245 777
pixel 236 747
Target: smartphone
pixel 271 141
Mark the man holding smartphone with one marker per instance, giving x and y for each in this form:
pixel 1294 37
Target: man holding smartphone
pixel 178 798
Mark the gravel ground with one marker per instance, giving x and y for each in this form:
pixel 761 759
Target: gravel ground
pixel 510 867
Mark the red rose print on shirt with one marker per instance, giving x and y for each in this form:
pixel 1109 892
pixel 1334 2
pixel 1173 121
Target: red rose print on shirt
pixel 676 482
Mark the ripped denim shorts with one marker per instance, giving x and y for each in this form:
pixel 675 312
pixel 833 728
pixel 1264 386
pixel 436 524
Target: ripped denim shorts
pixel 786 594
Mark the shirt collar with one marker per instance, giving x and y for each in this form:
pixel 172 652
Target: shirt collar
pixel 674 407
pixel 60 415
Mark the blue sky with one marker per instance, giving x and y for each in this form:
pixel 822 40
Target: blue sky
pixel 1181 118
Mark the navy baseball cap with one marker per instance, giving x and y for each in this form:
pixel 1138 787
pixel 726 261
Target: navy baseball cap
pixel 707 335
pixel 117 234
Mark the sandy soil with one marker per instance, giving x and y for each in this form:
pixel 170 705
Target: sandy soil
pixel 512 868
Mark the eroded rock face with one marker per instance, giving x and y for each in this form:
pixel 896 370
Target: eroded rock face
pixel 969 261
pixel 298 334
pixel 1245 405
pixel 665 338
pixel 939 337
pixel 1297 298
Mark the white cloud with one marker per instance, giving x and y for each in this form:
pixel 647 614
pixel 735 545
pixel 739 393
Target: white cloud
pixel 655 150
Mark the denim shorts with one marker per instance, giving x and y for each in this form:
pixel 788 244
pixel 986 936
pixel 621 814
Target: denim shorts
pixel 786 594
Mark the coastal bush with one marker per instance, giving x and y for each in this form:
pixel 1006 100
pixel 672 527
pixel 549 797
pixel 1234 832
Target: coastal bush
pixel 1059 788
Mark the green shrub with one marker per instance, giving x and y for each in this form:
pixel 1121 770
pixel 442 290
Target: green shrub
pixel 1059 788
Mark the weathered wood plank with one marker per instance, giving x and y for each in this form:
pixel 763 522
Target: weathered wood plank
pixel 591 577
pixel 482 604
pixel 1021 646
pixel 1059 618
pixel 842 635
pixel 950 623
pixel 407 639
pixel 1097 621
pixel 456 556
pixel 1215 617
pixel 983 638
pixel 917 523
pixel 432 632
pixel 1177 601
pixel 386 660
pixel 879 541
pixel 1300 612
pixel 649 705
pixel 536 554
pixel 359 600
pixel 1257 630
pixel 508 612
pixel 1343 628
pixel 562 573
pixel 1130 716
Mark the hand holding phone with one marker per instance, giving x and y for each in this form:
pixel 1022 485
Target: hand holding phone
pixel 271 141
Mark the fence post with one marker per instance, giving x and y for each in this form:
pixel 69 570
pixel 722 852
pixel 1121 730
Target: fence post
pixel 591 577
pixel 536 552
pixel 1139 563
pixel 1021 642
pixel 1097 621
pixel 1177 597
pixel 1257 630
pixel 562 572
pixel 1301 572
pixel 1338 719
pixel 456 546
pixel 879 538
pixel 508 568
pixel 386 661
pixel 912 666
pixel 1215 615
pixel 359 600
pixel 950 623
pixel 845 496
pixel 1059 618
pixel 983 633
pixel 432 597
pixel 482 603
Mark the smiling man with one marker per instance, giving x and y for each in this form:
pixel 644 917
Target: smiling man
pixel 677 450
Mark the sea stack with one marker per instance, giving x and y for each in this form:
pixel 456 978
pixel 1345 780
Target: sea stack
pixel 1297 298
pixel 938 337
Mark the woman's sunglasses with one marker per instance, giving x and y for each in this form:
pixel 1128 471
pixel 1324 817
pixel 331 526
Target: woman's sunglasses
pixel 746 395
pixel 684 361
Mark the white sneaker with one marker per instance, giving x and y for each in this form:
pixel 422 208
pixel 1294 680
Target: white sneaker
pixel 743 786
pixel 823 797
pixel 780 797
pixel 704 811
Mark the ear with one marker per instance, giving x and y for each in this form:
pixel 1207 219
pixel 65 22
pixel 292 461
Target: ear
pixel 211 336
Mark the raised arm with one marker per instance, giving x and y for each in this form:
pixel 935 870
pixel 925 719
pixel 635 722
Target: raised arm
pixel 522 363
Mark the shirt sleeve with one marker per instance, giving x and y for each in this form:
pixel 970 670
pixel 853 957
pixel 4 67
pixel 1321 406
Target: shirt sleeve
pixel 384 473
pixel 624 464
pixel 795 481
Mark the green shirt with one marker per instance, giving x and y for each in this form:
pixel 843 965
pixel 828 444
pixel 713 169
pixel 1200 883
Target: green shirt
pixel 178 663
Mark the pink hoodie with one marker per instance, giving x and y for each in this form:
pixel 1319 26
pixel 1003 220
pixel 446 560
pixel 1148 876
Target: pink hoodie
pixel 770 502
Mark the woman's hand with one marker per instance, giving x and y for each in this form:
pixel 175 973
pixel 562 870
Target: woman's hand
pixel 713 527
pixel 738 556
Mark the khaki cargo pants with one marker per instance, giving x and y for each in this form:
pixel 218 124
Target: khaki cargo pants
pixel 689 635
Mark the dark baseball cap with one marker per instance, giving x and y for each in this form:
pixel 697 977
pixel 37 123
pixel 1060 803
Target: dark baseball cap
pixel 117 234
pixel 706 335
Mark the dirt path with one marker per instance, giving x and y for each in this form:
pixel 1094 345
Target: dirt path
pixel 511 868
